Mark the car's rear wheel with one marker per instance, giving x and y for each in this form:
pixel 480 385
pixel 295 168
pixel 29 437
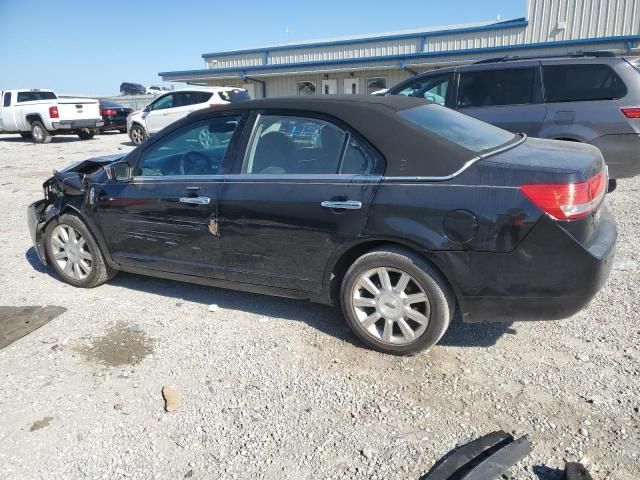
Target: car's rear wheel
pixel 137 134
pixel 123 130
pixel 74 253
pixel 396 301
pixel 86 134
pixel 25 134
pixel 39 134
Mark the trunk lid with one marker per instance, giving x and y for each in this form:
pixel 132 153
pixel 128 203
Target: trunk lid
pixel 78 109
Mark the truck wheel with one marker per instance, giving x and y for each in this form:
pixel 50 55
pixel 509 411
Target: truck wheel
pixel 86 134
pixel 396 301
pixel 137 134
pixel 39 134
pixel 25 134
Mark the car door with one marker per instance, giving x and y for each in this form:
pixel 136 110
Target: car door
pixel 165 217
pixel 7 114
pixel 159 114
pixel 301 190
pixel 508 97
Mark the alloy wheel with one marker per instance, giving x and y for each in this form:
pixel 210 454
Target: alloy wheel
pixel 37 132
pixel 71 252
pixel 136 135
pixel 390 305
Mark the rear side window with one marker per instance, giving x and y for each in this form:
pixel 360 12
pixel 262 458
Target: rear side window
pixel 575 83
pixel 33 96
pixel 234 95
pixel 192 98
pixel 7 99
pixel 495 87
pixel 458 128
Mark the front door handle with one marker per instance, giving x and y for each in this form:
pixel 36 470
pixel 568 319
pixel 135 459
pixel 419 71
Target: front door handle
pixel 196 200
pixel 344 204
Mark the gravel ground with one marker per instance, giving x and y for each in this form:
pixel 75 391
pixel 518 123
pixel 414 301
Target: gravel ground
pixel 274 388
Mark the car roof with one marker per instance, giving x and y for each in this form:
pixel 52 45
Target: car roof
pixel 409 149
pixel 200 88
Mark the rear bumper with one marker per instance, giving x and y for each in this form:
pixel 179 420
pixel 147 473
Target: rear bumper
pixel 36 220
pixel 549 275
pixel 114 124
pixel 76 124
pixel 621 153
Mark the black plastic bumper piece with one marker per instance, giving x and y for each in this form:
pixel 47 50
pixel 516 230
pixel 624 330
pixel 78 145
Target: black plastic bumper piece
pixel 485 458
pixel 36 221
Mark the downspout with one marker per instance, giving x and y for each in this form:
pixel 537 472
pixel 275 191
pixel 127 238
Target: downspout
pixel 404 67
pixel 244 78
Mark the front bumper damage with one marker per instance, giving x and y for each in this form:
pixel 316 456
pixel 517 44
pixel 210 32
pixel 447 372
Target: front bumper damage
pixel 37 219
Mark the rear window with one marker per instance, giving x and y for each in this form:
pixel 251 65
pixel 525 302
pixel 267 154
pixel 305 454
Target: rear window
pixel 108 104
pixel 458 128
pixel 575 83
pixel 32 96
pixel 234 95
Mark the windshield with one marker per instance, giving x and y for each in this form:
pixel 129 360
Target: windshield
pixel 458 128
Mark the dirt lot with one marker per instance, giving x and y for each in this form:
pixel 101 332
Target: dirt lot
pixel 274 388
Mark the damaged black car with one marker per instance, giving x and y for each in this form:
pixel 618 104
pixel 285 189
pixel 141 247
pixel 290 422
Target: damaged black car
pixel 397 210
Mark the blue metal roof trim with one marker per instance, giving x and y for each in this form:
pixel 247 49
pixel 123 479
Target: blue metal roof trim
pixel 518 22
pixel 280 66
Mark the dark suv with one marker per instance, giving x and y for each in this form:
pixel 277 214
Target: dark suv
pixel 591 98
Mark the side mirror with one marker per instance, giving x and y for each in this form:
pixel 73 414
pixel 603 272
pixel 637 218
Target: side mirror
pixel 121 172
pixel 147 109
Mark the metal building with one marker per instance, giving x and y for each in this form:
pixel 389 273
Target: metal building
pixel 366 63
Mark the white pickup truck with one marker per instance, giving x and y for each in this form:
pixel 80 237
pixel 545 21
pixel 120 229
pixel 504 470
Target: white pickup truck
pixel 39 114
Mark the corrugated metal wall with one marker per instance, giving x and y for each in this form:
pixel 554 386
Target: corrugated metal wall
pixel 549 21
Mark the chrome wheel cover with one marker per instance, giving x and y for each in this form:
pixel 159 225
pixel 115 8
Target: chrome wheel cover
pixel 71 252
pixel 390 305
pixel 205 138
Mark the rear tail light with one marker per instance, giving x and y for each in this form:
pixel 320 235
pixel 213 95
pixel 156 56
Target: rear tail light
pixel 53 112
pixel 568 201
pixel 109 112
pixel 631 112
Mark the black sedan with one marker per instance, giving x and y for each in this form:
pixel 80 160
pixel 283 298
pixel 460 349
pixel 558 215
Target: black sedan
pixel 398 210
pixel 114 116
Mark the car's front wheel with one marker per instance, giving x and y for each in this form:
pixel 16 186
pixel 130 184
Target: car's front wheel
pixel 137 134
pixel 396 301
pixel 74 253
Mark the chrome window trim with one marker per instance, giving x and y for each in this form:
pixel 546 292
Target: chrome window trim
pixel 468 164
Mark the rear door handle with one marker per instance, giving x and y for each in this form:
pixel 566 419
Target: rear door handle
pixel 344 204
pixel 196 200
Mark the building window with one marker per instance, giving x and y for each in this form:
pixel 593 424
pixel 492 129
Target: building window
pixel 306 88
pixel 376 83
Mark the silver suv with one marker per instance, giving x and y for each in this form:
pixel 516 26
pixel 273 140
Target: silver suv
pixel 589 97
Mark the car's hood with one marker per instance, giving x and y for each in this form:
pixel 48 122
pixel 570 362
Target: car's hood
pixel 87 164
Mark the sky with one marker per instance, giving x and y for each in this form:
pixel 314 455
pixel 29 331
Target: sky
pixel 89 47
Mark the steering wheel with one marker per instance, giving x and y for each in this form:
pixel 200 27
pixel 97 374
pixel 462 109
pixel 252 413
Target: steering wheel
pixel 194 163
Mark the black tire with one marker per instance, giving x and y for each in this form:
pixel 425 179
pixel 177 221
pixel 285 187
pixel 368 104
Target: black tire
pixel 39 134
pixel 86 134
pixel 441 300
pixel 123 130
pixel 137 134
pixel 25 134
pixel 99 272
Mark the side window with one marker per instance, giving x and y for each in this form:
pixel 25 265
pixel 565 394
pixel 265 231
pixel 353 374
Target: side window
pixel 495 87
pixel 574 83
pixel 7 99
pixel 432 88
pixel 195 149
pixel 294 145
pixel 357 159
pixel 164 102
